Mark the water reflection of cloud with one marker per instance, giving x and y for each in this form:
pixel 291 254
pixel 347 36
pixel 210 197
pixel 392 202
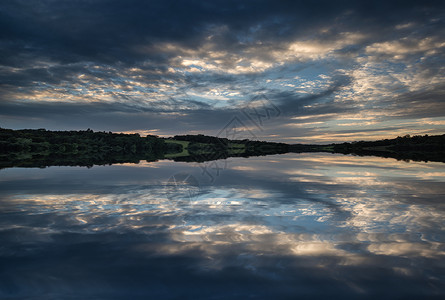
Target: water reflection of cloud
pixel 320 213
pixel 232 219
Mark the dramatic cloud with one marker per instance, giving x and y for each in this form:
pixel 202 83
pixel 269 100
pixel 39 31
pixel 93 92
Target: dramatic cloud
pixel 333 70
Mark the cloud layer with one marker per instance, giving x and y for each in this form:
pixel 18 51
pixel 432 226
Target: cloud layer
pixel 335 70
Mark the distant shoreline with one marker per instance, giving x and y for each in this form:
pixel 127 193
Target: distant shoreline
pixel 42 148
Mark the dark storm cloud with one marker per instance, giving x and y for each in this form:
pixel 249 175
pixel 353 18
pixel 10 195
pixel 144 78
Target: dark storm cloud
pixel 109 31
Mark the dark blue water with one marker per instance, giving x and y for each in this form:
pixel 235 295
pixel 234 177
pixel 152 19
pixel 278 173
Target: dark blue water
pixel 291 226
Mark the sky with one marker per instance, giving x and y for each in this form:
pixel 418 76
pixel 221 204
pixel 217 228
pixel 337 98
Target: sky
pixel 288 71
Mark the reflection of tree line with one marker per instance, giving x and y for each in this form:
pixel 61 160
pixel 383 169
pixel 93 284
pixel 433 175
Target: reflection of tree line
pixel 40 148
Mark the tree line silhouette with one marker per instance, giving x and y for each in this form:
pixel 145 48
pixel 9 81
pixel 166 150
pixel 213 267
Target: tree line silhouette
pixel 418 148
pixel 40 148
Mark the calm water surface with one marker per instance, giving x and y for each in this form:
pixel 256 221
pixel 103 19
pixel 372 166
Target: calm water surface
pixel 278 227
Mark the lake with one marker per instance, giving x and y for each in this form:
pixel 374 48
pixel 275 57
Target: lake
pixel 285 226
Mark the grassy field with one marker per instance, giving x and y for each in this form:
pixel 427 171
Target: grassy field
pixel 233 148
pixel 379 148
pixel 236 148
pixel 184 152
